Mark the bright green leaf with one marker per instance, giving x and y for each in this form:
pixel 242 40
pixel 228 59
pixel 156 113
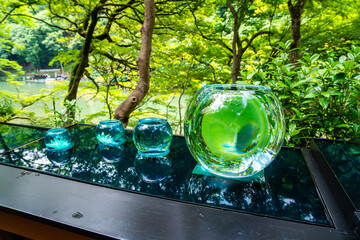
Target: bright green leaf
pixel 324 102
pixel 342 59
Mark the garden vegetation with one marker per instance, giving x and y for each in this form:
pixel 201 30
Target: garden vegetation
pixel 134 55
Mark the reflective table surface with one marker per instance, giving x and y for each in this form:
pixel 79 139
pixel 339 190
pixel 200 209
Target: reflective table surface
pixel 284 191
pixel 12 136
pixel 343 158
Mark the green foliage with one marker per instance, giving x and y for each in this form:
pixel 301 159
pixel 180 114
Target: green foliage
pixel 6 108
pixel 66 114
pixel 331 26
pixel 8 68
pixel 17 106
pixel 191 48
pixel 320 98
pixel 38 44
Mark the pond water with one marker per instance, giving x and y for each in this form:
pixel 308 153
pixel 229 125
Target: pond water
pixel 33 88
pixel 87 106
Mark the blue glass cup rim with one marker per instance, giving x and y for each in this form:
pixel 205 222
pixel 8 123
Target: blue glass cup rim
pixel 56 130
pixel 153 153
pixel 110 122
pixel 153 121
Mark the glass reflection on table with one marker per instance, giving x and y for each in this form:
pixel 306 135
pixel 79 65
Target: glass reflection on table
pixel 111 154
pixel 153 169
pixel 59 157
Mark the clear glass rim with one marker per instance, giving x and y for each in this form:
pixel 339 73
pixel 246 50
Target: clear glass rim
pixel 110 121
pixel 153 121
pixel 237 87
pixel 153 153
pixel 57 130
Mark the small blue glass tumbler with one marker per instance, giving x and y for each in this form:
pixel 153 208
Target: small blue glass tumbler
pixel 110 132
pixel 152 137
pixel 58 139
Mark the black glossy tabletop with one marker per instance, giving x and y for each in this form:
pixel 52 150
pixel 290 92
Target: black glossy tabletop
pixel 343 158
pixel 12 136
pixel 286 189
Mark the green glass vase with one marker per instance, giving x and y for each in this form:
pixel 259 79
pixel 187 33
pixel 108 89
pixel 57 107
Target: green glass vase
pixel 234 130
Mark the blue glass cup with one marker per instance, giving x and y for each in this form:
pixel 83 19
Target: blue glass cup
pixel 110 133
pixel 58 139
pixel 152 137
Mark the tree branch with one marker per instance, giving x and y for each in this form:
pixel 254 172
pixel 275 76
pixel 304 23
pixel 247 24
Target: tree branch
pixel 59 16
pixel 111 18
pixel 8 14
pixel 255 36
pixel 118 60
pixel 43 21
pixel 219 41
pixel 87 74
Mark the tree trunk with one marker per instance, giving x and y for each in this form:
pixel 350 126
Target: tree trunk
pixel 235 71
pixel 78 70
pixel 238 49
pixel 75 78
pixel 295 13
pixel 124 110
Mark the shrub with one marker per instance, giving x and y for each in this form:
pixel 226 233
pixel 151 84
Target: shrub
pixel 320 98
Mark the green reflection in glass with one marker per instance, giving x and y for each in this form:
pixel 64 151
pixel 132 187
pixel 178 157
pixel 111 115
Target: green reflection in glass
pixel 12 136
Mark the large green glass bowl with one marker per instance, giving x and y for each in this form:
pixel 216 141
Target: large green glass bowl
pixel 234 130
